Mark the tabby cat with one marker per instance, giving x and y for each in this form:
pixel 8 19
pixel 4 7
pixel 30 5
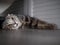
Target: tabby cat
pixel 23 21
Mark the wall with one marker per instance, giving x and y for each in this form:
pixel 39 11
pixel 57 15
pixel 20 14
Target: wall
pixel 23 7
pixel 28 7
pixel 17 7
pixel 6 1
pixel 4 4
pixel 47 10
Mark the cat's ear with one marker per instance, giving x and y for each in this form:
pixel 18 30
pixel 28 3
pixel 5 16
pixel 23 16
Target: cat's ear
pixel 8 14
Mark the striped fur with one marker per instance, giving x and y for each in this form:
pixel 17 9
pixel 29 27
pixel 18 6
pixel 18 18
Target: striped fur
pixel 31 22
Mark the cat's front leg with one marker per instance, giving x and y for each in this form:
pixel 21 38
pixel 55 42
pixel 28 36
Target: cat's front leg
pixel 22 26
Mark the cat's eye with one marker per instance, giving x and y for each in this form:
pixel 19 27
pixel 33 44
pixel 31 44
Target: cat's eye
pixel 12 18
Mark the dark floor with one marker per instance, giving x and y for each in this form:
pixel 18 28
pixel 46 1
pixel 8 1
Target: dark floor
pixel 28 37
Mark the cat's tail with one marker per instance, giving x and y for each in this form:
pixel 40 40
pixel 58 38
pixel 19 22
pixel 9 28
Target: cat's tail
pixel 47 26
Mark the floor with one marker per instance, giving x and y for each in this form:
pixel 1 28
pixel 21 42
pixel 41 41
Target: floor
pixel 30 37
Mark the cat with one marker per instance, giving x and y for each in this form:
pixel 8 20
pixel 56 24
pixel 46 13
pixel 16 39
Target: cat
pixel 23 21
